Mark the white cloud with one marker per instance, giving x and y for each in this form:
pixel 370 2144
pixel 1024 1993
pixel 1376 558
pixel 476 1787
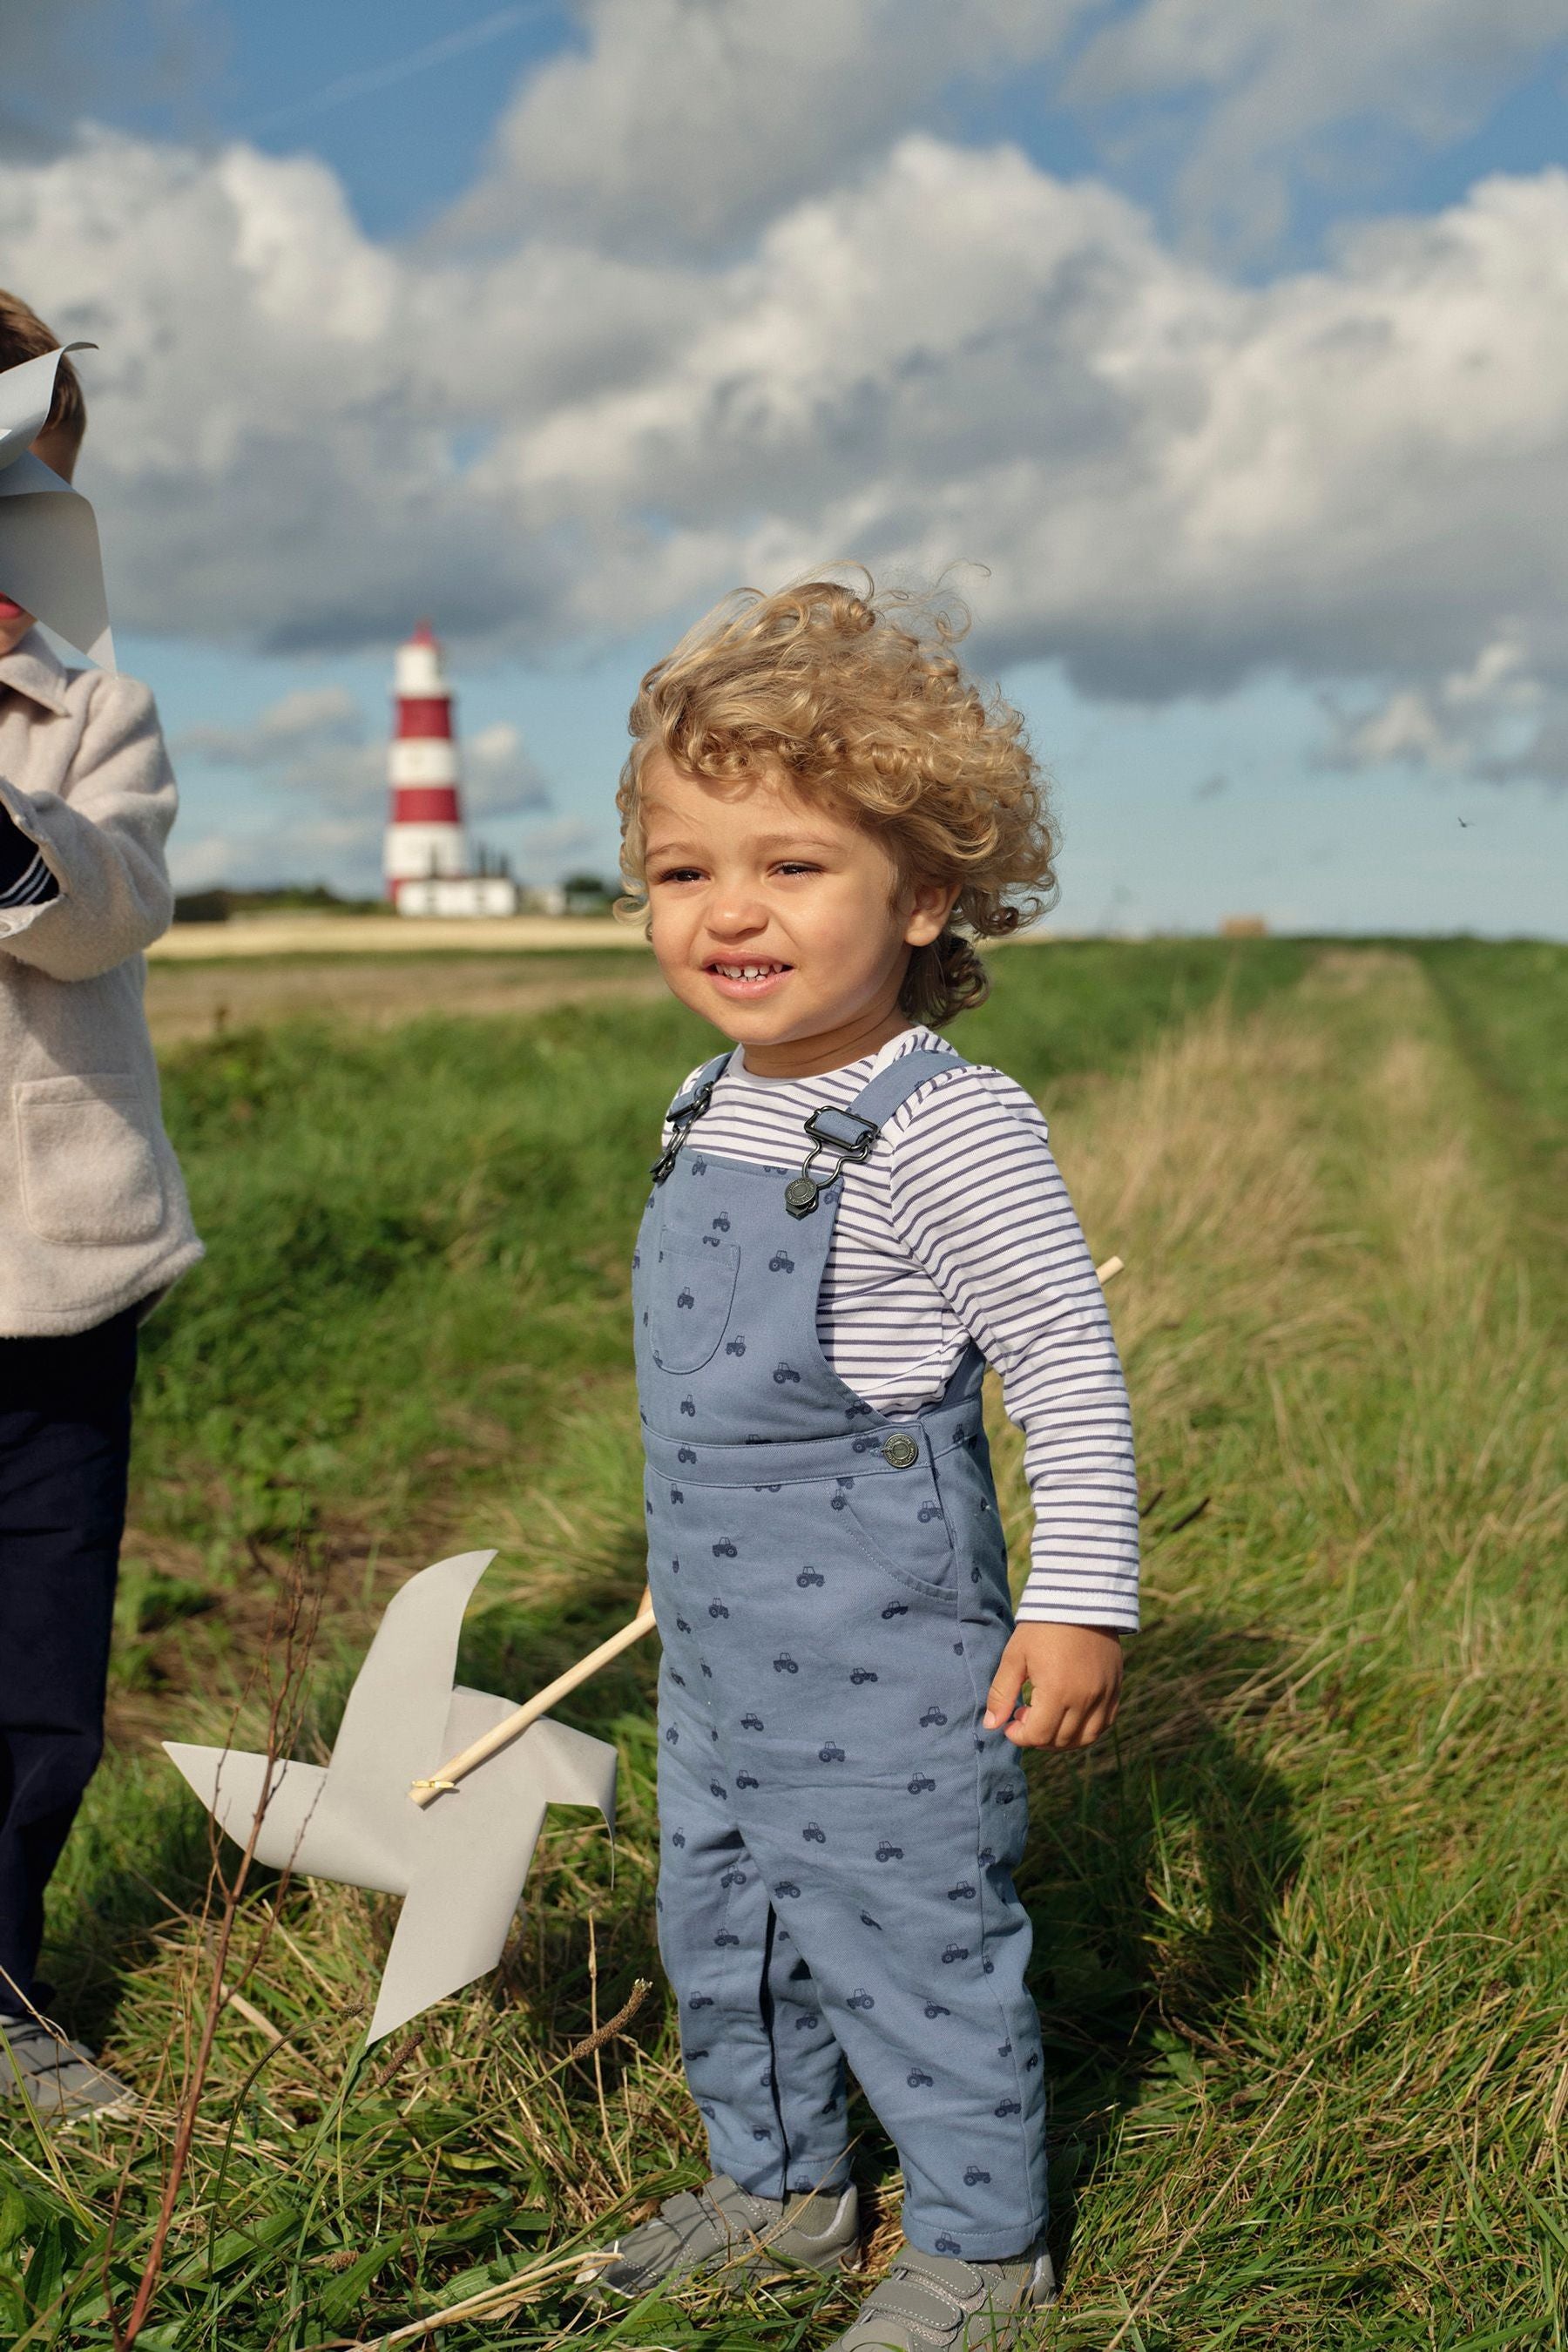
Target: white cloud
pixel 296 723
pixel 1494 722
pixel 1174 480
pixel 304 439
pixel 551 850
pixel 499 777
pixel 1280 96
pixel 689 122
pixel 344 849
pixel 202 861
pixel 74 56
pixel 684 125
pixel 321 782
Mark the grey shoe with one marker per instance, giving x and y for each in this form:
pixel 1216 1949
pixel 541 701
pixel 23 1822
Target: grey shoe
pixel 720 2226
pixel 934 2303
pixel 58 2078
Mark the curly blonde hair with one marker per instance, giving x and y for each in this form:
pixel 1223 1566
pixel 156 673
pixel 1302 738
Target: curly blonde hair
pixel 857 694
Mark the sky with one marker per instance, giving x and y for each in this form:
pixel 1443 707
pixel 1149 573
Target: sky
pixel 1215 351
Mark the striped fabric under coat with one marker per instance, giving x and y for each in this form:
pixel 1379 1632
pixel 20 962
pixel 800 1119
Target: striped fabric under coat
pixel 959 1227
pixel 25 879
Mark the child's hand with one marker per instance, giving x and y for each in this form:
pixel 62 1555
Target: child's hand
pixel 1074 1673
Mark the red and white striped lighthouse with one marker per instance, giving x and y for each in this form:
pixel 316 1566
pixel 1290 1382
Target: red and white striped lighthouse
pixel 425 836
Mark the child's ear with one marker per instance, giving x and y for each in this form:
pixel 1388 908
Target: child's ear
pixel 930 905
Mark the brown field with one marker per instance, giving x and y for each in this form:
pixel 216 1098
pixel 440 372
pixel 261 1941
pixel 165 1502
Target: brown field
pixel 186 1000
pixel 205 978
pixel 361 935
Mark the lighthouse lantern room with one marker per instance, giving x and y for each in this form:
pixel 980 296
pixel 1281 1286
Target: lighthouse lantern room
pixel 427 860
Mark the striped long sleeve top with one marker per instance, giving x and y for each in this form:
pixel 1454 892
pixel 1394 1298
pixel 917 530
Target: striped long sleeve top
pixel 959 1227
pixel 25 879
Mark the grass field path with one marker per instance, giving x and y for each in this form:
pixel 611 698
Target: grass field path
pixel 1299 1941
pixel 1326 2110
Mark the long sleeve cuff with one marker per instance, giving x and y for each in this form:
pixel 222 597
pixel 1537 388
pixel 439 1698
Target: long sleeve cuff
pixel 25 879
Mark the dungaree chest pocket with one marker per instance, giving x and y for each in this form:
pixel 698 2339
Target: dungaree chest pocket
pixel 693 1286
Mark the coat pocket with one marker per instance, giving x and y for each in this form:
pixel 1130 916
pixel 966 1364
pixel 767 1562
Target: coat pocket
pixel 89 1167
pixel 693 1286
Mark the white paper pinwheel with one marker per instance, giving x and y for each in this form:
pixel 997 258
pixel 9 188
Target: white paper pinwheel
pixel 452 1837
pixel 49 559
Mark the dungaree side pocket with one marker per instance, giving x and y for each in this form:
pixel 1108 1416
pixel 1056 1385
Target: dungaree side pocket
pixel 897 1520
pixel 693 1286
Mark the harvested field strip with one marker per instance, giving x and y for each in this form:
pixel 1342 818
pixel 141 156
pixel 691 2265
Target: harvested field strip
pixel 1299 1948
pixel 187 1001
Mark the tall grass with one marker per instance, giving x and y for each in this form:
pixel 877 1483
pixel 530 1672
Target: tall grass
pixel 1299 1957
pixel 1508 1010
pixel 1345 1759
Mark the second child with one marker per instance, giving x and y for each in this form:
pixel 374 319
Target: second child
pixel 847 1223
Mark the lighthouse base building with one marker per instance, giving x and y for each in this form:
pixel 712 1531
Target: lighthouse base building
pixel 458 893
pixel 426 858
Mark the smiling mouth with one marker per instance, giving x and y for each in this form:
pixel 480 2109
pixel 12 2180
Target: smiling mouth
pixel 746 972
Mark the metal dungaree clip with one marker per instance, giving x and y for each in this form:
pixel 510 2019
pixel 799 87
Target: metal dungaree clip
pixel 681 1121
pixel 801 1191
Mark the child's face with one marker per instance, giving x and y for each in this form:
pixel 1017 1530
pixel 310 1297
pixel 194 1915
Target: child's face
pixel 776 919
pixel 15 623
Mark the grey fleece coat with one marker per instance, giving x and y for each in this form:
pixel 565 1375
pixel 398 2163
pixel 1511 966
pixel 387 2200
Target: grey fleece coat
pixel 93 1215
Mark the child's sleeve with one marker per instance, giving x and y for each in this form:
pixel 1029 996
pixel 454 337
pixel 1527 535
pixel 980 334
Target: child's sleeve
pixel 101 839
pixel 25 879
pixel 977 1198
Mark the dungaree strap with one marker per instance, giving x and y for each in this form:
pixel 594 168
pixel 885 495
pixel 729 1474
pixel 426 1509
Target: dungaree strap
pixel 687 1108
pixel 848 1133
pixel 706 1078
pixel 894 1086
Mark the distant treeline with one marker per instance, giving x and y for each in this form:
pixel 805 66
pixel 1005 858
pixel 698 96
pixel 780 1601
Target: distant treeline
pixel 288 898
pixel 579 894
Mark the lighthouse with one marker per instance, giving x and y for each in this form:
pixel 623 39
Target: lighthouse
pixel 426 860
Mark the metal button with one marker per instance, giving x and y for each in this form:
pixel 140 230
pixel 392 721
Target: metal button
pixel 898 1450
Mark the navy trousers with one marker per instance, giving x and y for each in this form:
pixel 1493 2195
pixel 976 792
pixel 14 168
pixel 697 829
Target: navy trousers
pixel 65 1443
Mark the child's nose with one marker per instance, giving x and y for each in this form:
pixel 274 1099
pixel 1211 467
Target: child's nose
pixel 735 914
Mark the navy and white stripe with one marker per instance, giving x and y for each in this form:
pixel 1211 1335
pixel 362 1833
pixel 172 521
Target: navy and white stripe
pixel 25 879
pixel 959 1227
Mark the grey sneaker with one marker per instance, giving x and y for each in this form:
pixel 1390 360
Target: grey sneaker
pixel 934 2303
pixel 58 2078
pixel 720 2226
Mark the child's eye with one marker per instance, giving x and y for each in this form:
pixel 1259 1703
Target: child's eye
pixel 678 873
pixel 798 866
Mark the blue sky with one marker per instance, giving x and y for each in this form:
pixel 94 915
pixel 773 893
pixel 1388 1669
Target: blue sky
pixel 1227 347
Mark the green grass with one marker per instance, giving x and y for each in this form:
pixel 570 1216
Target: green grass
pixel 1298 1945
pixel 419 1237
pixel 1511 1001
pixel 1507 1009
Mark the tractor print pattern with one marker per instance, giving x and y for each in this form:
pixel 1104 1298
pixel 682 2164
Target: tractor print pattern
pixel 839 1832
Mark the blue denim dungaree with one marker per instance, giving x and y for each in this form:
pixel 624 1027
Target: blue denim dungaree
pixel 837 1832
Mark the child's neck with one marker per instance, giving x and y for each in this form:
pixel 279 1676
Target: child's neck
pixel 829 1049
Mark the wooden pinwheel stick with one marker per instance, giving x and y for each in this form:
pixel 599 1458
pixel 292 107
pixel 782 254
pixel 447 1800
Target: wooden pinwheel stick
pixel 424 1792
